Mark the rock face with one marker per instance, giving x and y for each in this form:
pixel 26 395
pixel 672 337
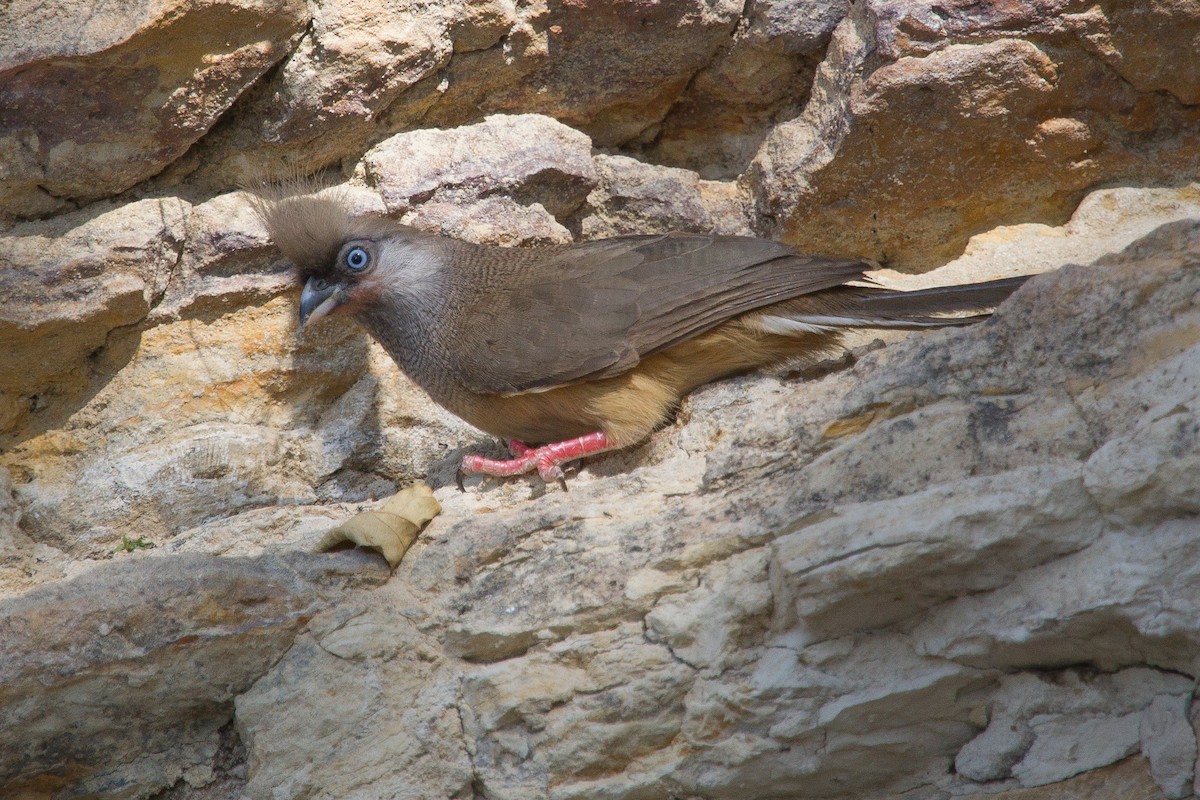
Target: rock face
pixel 130 687
pixel 98 100
pixel 961 565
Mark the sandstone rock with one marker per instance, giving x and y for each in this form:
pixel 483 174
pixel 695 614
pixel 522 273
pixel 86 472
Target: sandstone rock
pixel 1009 107
pixel 611 71
pixel 1017 520
pixel 527 157
pixel 1126 779
pixel 750 614
pixel 403 736
pixel 1167 738
pixel 1149 69
pixel 1045 731
pixel 73 291
pixel 97 103
pixel 226 263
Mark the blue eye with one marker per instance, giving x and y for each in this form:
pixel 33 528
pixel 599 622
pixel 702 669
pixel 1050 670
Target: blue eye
pixel 357 259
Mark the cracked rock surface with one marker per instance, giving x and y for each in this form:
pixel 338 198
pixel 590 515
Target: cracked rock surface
pixel 956 564
pixel 840 619
pixel 963 566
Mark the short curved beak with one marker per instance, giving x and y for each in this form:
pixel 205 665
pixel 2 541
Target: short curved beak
pixel 318 299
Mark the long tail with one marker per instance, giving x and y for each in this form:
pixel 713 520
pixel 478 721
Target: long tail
pixel 870 307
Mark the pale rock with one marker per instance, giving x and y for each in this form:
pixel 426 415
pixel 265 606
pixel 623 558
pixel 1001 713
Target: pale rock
pixel 1046 730
pixel 327 97
pixel 226 264
pixel 990 756
pixel 1129 779
pixel 705 627
pixel 652 582
pixel 1151 472
pixel 1194 721
pixel 603 705
pixel 762 75
pixel 490 220
pixel 128 671
pixel 1098 606
pixel 660 640
pixel 24 563
pixel 484 182
pixel 73 290
pixel 873 564
pixel 610 71
pixel 209 443
pixel 275 530
pixel 503 694
pixel 356 59
pixel 391 724
pixel 1169 742
pixel 831 727
pixel 1066 747
pixel 367 71
pixel 1105 221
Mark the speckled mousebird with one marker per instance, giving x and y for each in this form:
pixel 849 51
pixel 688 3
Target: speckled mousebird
pixel 571 350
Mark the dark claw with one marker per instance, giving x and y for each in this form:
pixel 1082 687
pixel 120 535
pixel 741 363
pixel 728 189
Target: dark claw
pixel 458 478
pixel 562 481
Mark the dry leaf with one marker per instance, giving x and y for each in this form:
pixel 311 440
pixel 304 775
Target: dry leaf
pixel 392 528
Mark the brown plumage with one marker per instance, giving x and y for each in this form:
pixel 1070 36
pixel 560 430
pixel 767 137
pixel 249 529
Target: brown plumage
pixel 598 340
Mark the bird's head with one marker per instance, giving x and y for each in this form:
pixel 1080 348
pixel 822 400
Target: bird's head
pixel 345 263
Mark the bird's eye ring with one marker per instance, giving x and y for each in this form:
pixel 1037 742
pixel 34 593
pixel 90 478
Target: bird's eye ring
pixel 357 259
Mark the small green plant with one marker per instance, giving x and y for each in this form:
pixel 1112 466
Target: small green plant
pixel 128 545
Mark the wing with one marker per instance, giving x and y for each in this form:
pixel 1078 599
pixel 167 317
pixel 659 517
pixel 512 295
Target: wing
pixel 594 309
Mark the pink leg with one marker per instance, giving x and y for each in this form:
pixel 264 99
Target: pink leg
pixel 548 459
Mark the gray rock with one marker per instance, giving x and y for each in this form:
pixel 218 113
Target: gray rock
pixel 117 682
pixel 1168 741
pixel 527 158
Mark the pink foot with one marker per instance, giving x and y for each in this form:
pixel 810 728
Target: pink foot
pixel 547 459
pixel 519 448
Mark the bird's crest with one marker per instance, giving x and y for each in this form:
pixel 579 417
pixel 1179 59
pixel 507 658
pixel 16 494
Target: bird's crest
pixel 308 229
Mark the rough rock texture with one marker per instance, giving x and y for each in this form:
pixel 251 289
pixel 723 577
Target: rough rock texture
pixel 961 565
pixel 981 112
pixel 110 693
pixel 97 99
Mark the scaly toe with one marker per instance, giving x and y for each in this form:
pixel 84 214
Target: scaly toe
pixel 552 472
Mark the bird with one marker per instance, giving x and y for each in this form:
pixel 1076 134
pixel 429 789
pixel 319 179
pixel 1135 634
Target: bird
pixel 571 350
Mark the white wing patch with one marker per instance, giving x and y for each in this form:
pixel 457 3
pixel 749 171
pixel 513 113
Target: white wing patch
pixel 806 323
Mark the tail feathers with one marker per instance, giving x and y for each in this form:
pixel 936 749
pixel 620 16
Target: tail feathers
pixel 868 307
pixel 942 299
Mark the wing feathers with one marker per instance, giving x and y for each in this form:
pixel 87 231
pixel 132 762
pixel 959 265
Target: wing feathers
pixel 594 309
